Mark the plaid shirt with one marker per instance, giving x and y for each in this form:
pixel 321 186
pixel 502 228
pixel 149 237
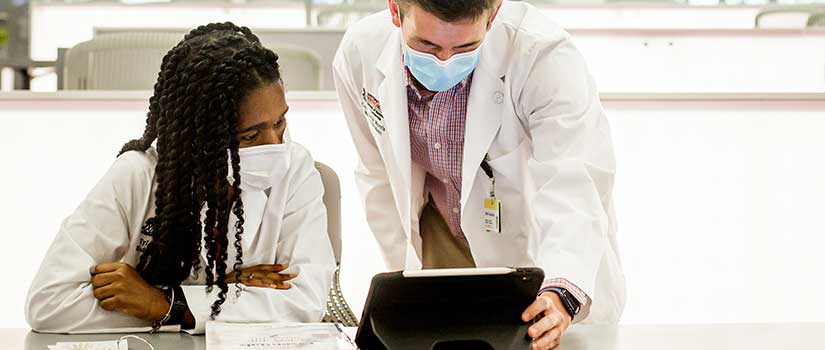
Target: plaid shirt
pixel 437 144
pixel 437 124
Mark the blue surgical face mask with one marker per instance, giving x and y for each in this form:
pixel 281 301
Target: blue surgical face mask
pixel 438 75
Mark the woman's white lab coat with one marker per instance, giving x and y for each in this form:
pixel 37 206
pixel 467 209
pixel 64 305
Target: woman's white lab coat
pixel 285 226
pixel 535 111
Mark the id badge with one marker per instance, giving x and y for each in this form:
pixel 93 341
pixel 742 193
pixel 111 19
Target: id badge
pixel 492 215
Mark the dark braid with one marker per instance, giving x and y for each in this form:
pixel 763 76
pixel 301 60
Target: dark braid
pixel 193 119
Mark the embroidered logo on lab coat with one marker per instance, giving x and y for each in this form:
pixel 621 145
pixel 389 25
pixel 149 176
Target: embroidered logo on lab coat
pixel 144 243
pixel 372 110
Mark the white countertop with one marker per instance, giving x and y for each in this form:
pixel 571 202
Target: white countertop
pixel 655 337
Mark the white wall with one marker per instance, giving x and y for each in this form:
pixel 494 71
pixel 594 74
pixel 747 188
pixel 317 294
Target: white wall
pixel 656 61
pixel 719 207
pixel 718 202
pixel 64 25
pixel 55 25
pixel 644 49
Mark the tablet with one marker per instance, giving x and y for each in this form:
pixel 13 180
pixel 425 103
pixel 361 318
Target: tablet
pixel 449 309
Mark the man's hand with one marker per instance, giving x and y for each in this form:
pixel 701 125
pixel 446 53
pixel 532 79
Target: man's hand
pixel 547 331
pixel 118 287
pixel 265 276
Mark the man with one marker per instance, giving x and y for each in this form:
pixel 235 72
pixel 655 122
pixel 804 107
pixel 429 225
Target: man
pixel 482 143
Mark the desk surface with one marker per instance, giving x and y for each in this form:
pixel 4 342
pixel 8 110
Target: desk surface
pixel 687 337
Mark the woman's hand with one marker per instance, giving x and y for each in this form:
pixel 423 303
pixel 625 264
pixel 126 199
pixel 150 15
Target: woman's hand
pixel 118 287
pixel 266 276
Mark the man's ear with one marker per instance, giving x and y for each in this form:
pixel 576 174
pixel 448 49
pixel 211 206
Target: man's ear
pixel 395 12
pixel 493 17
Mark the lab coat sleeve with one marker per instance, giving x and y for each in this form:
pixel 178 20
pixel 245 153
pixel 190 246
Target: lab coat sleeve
pixel 572 165
pixel 304 245
pixel 61 299
pixel 371 173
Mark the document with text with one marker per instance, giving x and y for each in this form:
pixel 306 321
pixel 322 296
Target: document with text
pixel 277 336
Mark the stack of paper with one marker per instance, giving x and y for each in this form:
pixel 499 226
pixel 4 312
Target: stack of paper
pixel 277 336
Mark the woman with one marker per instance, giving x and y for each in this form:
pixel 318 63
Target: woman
pixel 146 248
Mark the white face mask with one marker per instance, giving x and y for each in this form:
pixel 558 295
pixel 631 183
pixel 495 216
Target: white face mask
pixel 260 163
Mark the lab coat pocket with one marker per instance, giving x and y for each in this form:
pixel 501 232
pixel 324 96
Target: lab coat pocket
pixel 512 182
pixel 510 247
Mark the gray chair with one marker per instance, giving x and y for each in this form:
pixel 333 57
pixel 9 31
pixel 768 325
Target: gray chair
pixel 300 67
pixel 122 61
pixel 338 311
pixel 817 20
pixel 131 61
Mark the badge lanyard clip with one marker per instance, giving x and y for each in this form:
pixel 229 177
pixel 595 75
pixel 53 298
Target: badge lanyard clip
pixel 489 172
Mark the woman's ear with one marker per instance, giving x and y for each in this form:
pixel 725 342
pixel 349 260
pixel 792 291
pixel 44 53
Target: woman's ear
pixel 395 12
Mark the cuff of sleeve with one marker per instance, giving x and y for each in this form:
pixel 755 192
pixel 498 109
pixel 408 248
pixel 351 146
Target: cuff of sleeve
pixel 200 305
pixel 583 299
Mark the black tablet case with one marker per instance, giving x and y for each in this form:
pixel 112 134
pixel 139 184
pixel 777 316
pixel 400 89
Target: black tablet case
pixel 448 313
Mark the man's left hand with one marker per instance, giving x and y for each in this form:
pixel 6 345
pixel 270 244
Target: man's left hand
pixel 547 331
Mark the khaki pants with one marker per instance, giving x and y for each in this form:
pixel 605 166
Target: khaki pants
pixel 440 249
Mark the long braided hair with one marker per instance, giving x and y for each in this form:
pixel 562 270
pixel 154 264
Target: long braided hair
pixel 193 117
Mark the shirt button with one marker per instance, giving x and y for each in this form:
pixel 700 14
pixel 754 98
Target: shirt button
pixel 445 180
pixel 455 210
pixel 437 145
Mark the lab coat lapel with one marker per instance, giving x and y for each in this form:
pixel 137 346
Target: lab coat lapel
pixel 393 98
pixel 483 115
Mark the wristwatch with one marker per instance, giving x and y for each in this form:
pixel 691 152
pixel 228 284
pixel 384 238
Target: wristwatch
pixel 571 304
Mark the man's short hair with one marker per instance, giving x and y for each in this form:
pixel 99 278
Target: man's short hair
pixel 451 10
